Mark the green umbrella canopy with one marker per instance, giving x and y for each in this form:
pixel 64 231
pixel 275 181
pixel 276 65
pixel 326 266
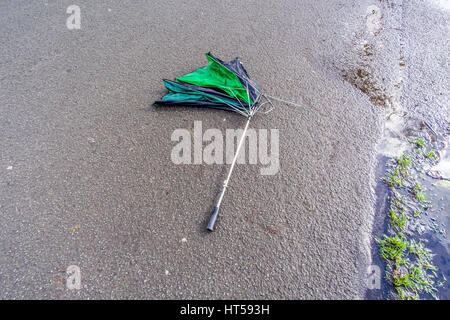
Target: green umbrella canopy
pixel 223 85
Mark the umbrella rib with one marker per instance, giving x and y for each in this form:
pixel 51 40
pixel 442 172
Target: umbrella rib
pixel 238 110
pixel 238 100
pixel 269 101
pixel 233 107
pixel 250 106
pixel 281 100
pixel 260 106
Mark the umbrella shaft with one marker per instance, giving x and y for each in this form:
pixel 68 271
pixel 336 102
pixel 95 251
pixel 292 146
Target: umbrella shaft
pixel 225 184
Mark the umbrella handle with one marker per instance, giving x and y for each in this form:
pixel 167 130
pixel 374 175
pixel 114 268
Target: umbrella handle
pixel 213 219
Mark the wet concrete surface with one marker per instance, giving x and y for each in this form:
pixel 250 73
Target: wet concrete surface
pixel 86 177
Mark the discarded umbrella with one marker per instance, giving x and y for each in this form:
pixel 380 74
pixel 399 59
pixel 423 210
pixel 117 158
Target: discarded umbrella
pixel 219 85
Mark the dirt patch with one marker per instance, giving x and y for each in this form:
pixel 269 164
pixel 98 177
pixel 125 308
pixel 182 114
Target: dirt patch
pixel 362 79
pixel 362 76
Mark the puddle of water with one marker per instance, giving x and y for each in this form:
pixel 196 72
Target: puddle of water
pixel 431 228
pixel 437 225
pixel 380 227
pixel 433 225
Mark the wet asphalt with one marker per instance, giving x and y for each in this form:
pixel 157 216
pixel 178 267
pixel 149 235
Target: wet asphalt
pixel 86 176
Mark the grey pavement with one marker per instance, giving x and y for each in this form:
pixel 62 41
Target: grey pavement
pixel 86 177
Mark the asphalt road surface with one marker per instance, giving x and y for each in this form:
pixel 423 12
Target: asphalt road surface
pixel 86 176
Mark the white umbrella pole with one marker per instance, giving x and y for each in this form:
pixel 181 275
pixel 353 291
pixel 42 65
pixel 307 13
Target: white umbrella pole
pixel 215 213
